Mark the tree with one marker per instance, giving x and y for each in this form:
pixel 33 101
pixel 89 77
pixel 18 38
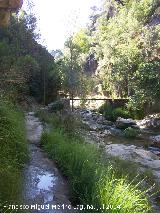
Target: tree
pixel 26 66
pixel 124 41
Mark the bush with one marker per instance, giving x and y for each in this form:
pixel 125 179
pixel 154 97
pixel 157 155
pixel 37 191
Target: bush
pixel 56 106
pixel 120 112
pixel 147 89
pixel 136 105
pixel 92 179
pixel 131 133
pixel 70 123
pixel 112 114
pixel 52 119
pixel 103 108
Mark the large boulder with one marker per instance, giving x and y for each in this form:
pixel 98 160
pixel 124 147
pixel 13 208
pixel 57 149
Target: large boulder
pixel 151 121
pixel 155 150
pixel 134 154
pixel 122 123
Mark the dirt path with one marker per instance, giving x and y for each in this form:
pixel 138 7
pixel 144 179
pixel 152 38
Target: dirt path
pixel 44 185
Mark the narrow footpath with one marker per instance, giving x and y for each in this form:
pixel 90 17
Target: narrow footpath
pixel 45 189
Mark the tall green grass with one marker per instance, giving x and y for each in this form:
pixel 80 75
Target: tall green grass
pixel 92 178
pixel 13 152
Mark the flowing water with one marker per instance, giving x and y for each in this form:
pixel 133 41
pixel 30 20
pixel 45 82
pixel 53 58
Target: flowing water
pixel 45 189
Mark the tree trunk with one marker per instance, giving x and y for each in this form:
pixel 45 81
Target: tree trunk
pixel 72 107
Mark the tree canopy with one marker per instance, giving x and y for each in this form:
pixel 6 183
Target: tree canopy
pixel 26 67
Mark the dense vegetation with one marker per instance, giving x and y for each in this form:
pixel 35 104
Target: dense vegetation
pixel 120 44
pixel 124 41
pixel 71 63
pixel 128 51
pixel 26 67
pixel 112 113
pixel 13 153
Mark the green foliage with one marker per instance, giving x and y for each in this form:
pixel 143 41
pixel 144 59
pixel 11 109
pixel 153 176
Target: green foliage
pixel 26 68
pixel 127 50
pixel 71 124
pixel 49 118
pixel 131 133
pixel 56 106
pixel 108 113
pixel 112 113
pixel 72 65
pixel 121 112
pixel 13 152
pixel 13 143
pixel 104 188
pixel 81 39
pixel 136 105
pixel 147 88
pixel 103 108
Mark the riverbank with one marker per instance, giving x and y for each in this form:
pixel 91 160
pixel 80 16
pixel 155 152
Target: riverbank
pixel 81 161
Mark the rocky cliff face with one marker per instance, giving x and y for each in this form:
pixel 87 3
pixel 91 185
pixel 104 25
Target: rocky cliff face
pixel 90 66
pixel 10 4
pixel 155 19
pixel 6 7
pixel 4 18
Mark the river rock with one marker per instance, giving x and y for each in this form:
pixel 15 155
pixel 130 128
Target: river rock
pixel 107 123
pixel 113 131
pixel 116 132
pixel 122 123
pixel 157 175
pixel 155 150
pixel 151 121
pixel 156 140
pixel 134 154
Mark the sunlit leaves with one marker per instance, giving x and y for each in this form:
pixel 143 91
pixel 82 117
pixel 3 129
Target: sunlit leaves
pixel 123 42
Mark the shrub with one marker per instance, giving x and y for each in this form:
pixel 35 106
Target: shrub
pixel 112 113
pixel 52 119
pixel 146 87
pixel 136 105
pixel 130 132
pixel 103 108
pixel 70 123
pixel 120 112
pixel 56 106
